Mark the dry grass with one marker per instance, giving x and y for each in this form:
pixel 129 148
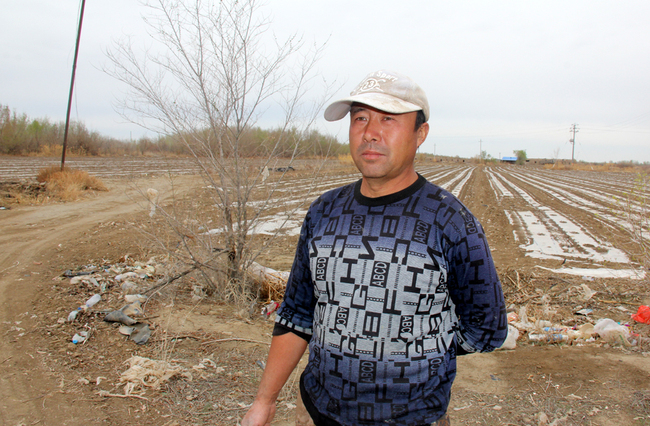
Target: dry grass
pixel 607 167
pixel 20 193
pixel 69 184
pixel 345 159
pixel 49 151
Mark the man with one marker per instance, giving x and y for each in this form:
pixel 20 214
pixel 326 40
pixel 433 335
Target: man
pixel 392 279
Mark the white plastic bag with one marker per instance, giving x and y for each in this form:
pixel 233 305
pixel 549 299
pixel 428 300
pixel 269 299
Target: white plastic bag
pixel 611 331
pixel 511 340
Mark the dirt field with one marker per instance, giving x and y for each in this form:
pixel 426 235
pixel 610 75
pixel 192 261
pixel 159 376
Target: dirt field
pixel 552 235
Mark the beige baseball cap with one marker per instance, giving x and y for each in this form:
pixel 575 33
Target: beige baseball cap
pixel 385 90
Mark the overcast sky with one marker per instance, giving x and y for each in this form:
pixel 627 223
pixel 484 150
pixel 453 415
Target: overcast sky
pixel 500 75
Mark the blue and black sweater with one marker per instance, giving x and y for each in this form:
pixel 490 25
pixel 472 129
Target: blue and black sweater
pixel 388 291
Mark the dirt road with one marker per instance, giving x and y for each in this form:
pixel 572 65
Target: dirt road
pixel 35 246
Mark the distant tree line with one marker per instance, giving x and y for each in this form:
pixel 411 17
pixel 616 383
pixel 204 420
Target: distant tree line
pixel 21 135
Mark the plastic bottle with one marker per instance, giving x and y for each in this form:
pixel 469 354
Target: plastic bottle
pixel 73 315
pixel 548 337
pixel 554 330
pixel 92 301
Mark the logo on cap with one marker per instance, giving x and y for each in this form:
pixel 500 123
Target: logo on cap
pixel 373 83
pixel 368 85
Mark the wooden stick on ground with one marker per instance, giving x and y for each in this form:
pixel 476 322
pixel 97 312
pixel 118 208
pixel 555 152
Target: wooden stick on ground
pixel 117 395
pixel 237 339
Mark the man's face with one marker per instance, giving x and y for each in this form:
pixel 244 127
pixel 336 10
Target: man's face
pixel 383 145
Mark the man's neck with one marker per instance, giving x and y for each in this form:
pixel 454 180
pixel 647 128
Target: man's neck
pixel 379 187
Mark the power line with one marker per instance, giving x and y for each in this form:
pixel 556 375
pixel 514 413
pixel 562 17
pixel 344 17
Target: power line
pixel 632 121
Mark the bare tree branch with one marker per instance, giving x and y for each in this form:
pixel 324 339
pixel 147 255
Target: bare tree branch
pixel 212 71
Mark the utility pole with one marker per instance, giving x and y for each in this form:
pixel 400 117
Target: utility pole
pixel 74 70
pixel 574 129
pixel 480 151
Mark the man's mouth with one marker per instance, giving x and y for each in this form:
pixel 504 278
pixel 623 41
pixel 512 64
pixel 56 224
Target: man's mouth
pixel 371 155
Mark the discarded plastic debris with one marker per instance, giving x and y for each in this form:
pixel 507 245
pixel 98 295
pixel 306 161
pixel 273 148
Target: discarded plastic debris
pixel 611 331
pixel 141 333
pixel 585 311
pixel 93 301
pixel 198 293
pixel 512 317
pixel 586 331
pixel 269 308
pixel 70 274
pixel 548 337
pixel 152 195
pixel 119 316
pixel 553 330
pixel 126 330
pixel 588 293
pixel 511 340
pixel 574 334
pixel 73 315
pixel 642 315
pixel 523 322
pixel 89 304
pixel 124 276
pixel 79 337
pixel 133 309
pixel 130 298
pixel 78 279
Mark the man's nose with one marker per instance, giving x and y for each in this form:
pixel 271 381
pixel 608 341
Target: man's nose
pixel 372 132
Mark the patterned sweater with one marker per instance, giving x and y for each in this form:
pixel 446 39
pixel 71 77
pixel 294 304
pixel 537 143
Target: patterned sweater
pixel 388 291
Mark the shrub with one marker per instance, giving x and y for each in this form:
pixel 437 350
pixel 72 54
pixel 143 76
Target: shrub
pixel 522 158
pixel 69 184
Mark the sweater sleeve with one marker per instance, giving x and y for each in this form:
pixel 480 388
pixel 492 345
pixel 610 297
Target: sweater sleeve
pixel 296 312
pixel 474 287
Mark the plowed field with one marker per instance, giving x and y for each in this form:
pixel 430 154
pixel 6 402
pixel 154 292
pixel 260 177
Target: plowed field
pixel 561 248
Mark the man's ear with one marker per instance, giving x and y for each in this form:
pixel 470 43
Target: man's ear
pixel 422 132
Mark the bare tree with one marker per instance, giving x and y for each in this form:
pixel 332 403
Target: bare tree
pixel 556 155
pixel 214 71
pixel 634 219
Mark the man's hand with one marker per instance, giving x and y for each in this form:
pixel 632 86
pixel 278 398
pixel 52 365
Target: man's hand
pixel 259 414
pixel 286 350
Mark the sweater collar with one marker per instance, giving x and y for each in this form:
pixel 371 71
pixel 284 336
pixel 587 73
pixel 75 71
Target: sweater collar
pixel 390 198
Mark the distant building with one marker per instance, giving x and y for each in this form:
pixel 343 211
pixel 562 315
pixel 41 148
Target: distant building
pixel 511 160
pixel 542 161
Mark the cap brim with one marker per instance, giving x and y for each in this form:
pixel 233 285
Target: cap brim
pixel 337 110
